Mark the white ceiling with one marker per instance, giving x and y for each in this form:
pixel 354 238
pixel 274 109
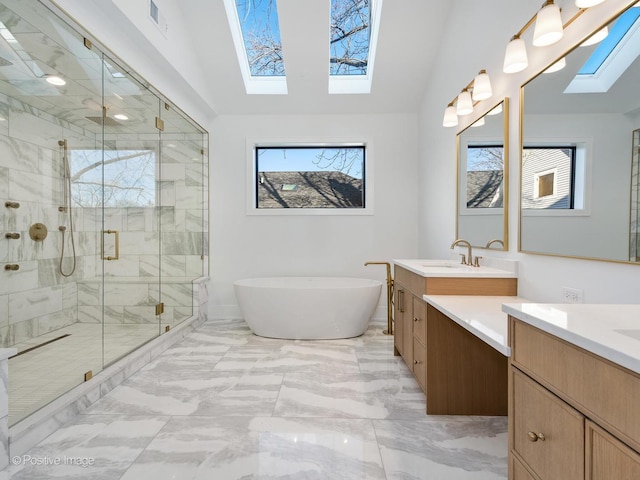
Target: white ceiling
pixel 408 43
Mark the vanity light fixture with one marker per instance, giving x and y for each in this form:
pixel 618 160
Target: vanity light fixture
pixel 55 80
pixel 450 116
pixel 481 87
pixel 559 65
pixel 478 123
pixel 596 37
pixel 515 58
pixel 588 3
pixel 477 90
pixel 548 29
pixel 496 110
pixel 464 105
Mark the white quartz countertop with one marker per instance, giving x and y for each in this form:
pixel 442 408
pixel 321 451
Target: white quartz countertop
pixel 481 315
pixel 608 330
pixel 449 268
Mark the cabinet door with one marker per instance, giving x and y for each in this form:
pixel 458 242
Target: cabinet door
pixel 518 472
pixel 398 314
pixel 608 458
pixel 547 433
pixel 419 319
pixel 407 334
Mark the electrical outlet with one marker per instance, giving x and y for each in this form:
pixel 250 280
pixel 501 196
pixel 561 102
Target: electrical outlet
pixel 572 295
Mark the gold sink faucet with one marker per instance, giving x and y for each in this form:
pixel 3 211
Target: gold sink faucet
pixel 469 259
pixel 495 240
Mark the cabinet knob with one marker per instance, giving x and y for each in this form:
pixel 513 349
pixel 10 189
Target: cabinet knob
pixel 534 437
pixel 416 362
pixel 416 319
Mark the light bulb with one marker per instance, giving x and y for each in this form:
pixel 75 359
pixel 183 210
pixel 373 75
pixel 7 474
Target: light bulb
pixel 55 80
pixel 515 58
pixel 559 65
pixel 450 117
pixel 588 3
pixel 464 105
pixel 596 37
pixel 496 110
pixel 482 86
pixel 548 29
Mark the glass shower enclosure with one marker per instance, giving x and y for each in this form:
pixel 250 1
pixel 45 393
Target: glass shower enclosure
pixel 103 189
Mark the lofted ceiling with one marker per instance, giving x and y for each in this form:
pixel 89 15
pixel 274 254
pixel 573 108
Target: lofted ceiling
pixel 408 43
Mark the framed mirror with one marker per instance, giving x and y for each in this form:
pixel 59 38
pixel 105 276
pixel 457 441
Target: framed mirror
pixel 579 124
pixel 482 165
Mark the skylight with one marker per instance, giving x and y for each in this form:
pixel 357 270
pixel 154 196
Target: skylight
pixel 353 26
pixel 354 34
pixel 350 37
pixel 256 34
pixel 611 58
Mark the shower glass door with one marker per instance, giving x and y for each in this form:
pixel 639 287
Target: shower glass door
pixel 131 212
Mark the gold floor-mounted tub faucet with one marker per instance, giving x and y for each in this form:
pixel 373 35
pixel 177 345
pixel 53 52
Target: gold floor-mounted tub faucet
pixel 389 330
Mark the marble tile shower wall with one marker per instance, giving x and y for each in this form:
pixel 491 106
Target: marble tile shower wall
pixel 34 299
pixel 174 228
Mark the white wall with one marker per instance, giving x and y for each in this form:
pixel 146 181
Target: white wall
pixel 478 41
pixel 252 246
pixel 168 63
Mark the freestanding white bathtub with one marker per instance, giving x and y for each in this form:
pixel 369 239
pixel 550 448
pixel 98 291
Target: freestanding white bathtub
pixel 308 308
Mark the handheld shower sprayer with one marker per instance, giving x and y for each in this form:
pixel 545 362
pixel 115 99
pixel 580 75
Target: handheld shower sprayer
pixel 66 207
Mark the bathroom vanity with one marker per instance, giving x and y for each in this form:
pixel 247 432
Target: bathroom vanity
pixel 574 391
pixel 460 373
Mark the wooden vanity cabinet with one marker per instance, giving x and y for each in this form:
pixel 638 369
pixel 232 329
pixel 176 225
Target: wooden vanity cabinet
pixel 412 342
pixel 572 414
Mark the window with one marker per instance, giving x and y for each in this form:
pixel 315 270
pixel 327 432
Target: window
pixel 549 178
pixel 255 29
pixel 545 184
pixel 310 177
pixel 485 176
pixel 128 177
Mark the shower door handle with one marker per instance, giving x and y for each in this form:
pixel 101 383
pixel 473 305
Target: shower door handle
pixel 116 255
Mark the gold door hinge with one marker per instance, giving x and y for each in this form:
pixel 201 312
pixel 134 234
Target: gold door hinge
pixel 88 44
pixel 160 309
pixel 167 106
pixel 160 124
pixel 167 328
pixel 202 151
pixel 88 375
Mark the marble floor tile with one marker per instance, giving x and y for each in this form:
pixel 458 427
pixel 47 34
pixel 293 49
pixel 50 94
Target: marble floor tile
pixel 99 447
pixel 436 448
pixel 225 404
pixel 360 395
pixel 259 447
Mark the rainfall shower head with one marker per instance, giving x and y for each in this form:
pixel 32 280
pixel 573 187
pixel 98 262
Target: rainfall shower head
pixel 106 121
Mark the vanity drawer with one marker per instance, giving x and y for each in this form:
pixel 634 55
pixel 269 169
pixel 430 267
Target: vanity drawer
pixel 419 365
pixel 608 458
pixel 606 392
pixel 547 433
pixel 419 319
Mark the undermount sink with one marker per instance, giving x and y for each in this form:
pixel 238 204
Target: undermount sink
pixel 442 267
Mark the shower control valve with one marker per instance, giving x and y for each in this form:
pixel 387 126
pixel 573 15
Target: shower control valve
pixel 12 235
pixel 12 267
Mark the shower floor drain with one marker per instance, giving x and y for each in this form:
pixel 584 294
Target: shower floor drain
pixel 27 350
